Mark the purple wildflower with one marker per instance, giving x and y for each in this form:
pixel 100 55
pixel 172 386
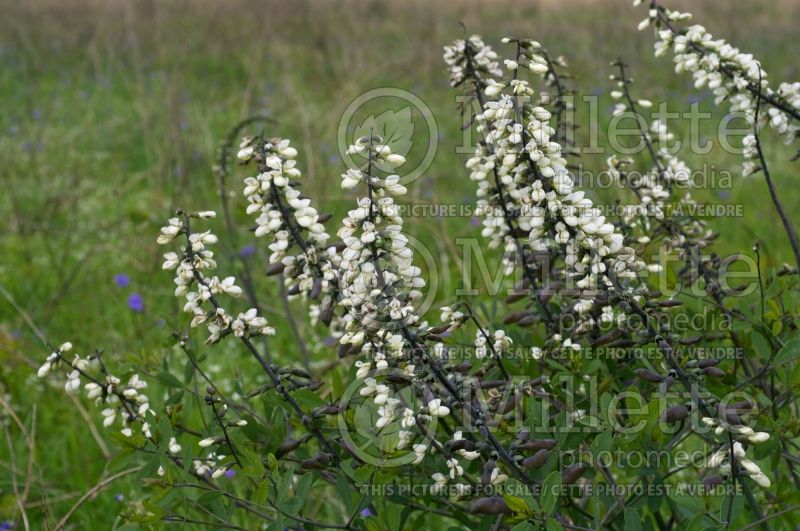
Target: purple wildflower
pixel 230 473
pixel 122 280
pixel 135 302
pixel 366 512
pixel 247 251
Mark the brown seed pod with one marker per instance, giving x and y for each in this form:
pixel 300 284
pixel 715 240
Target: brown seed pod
pixel 463 444
pixel 316 289
pixel 436 330
pixel 332 410
pixel 573 473
pixel 623 343
pixel 536 460
pixel 492 384
pixel 326 315
pixel 691 340
pixel 275 269
pixel 674 414
pixel 463 367
pixel 322 218
pixel 509 404
pixel 607 338
pixel 514 317
pixel 517 295
pixel 486 475
pixel 538 444
pixel 715 372
pixel 648 376
pixel 490 505
pixel 311 464
pixel 288 446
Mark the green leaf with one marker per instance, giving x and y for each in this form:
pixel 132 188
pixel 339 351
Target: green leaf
pixel 304 486
pixel 308 398
pixel 550 491
pixel 632 520
pixel 518 505
pixel 168 379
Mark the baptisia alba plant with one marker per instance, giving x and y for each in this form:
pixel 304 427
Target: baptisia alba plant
pixel 456 412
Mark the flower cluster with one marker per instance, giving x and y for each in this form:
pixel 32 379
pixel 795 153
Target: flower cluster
pixel 123 401
pixel 525 187
pixel 202 293
pixel 732 75
pixel 483 61
pixel 299 244
pixel 655 187
pixel 721 461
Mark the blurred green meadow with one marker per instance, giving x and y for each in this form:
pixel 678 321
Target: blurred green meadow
pixel 111 116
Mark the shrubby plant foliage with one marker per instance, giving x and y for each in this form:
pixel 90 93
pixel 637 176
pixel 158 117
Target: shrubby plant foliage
pixel 580 406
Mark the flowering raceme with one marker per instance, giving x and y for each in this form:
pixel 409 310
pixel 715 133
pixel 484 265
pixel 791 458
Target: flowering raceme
pixel 299 246
pixel 499 426
pixel 732 75
pixel 523 178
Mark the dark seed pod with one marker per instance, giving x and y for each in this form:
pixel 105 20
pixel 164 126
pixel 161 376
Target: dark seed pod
pixel 674 414
pixel 294 290
pixel 536 460
pixel 714 371
pixel 288 446
pixel 706 363
pixel 623 343
pixel 691 340
pixel 463 367
pixel 669 304
pixel 648 376
pixel 573 473
pixel 275 269
pixel 732 418
pixel 322 218
pixel 743 405
pixel 311 464
pixel 463 444
pixel 712 481
pixel 513 318
pixel 344 349
pixel 340 246
pixel 316 289
pixel 528 320
pixel 436 330
pixel 323 458
pixel 490 505
pixel 517 295
pixel 607 338
pixel 486 475
pixel 397 379
pixel 331 410
pixel 491 384
pixel 539 444
pixel 326 315
pixel 509 404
